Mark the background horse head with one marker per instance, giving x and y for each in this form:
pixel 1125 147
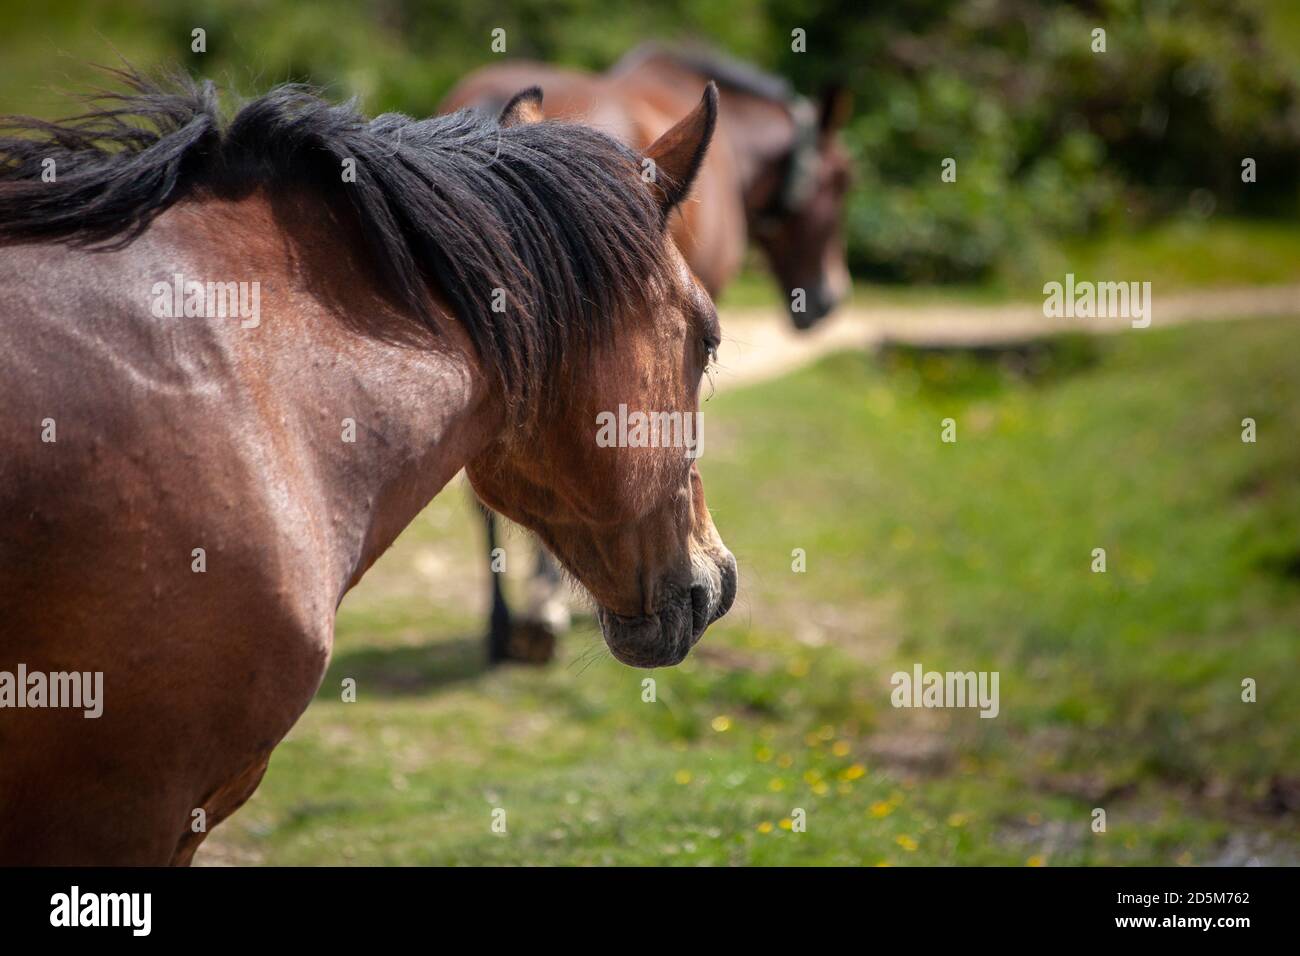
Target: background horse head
pixel 792 168
pixel 778 172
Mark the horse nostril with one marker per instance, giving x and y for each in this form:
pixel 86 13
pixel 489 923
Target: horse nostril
pixel 700 616
pixel 729 581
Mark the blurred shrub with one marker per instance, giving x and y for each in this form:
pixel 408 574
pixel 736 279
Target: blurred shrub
pixel 1050 138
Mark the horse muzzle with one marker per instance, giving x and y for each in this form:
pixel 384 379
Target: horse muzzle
pixel 820 302
pixel 665 637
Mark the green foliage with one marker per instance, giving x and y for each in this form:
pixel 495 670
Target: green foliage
pixel 1050 138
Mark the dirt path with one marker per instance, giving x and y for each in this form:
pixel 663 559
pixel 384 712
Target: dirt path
pixel 759 346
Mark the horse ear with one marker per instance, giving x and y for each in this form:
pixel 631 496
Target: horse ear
pixel 836 107
pixel 678 153
pixel 524 107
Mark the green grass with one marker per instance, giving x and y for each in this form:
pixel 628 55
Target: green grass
pixel 1118 690
pixel 1186 254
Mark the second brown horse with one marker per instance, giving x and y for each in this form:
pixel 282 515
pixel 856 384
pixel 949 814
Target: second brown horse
pixel 777 173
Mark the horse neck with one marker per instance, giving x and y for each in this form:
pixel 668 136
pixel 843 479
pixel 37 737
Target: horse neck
pixel 420 419
pixel 372 426
pixel 761 134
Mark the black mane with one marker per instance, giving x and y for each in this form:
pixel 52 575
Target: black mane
pixel 553 214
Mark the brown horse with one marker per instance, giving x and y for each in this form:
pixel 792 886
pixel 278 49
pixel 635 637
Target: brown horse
pixel 777 173
pixel 236 360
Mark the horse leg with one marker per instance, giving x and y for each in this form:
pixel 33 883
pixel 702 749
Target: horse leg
pixel 532 639
pixel 222 803
pixel 546 593
pixel 499 623
pixel 122 790
pixel 74 805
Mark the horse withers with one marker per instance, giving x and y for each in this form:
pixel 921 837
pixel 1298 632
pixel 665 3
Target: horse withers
pixel 190 487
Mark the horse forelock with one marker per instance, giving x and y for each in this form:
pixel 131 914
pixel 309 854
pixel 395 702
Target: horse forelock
pixel 540 238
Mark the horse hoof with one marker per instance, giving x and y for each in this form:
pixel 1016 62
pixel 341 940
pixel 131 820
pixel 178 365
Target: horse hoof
pixel 551 613
pixel 531 642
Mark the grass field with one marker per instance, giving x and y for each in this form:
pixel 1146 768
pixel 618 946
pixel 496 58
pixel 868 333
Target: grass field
pixel 1119 690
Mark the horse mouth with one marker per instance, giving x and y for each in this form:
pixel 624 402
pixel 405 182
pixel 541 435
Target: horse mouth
pixel 812 315
pixel 663 639
pixel 820 303
pixel 654 640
